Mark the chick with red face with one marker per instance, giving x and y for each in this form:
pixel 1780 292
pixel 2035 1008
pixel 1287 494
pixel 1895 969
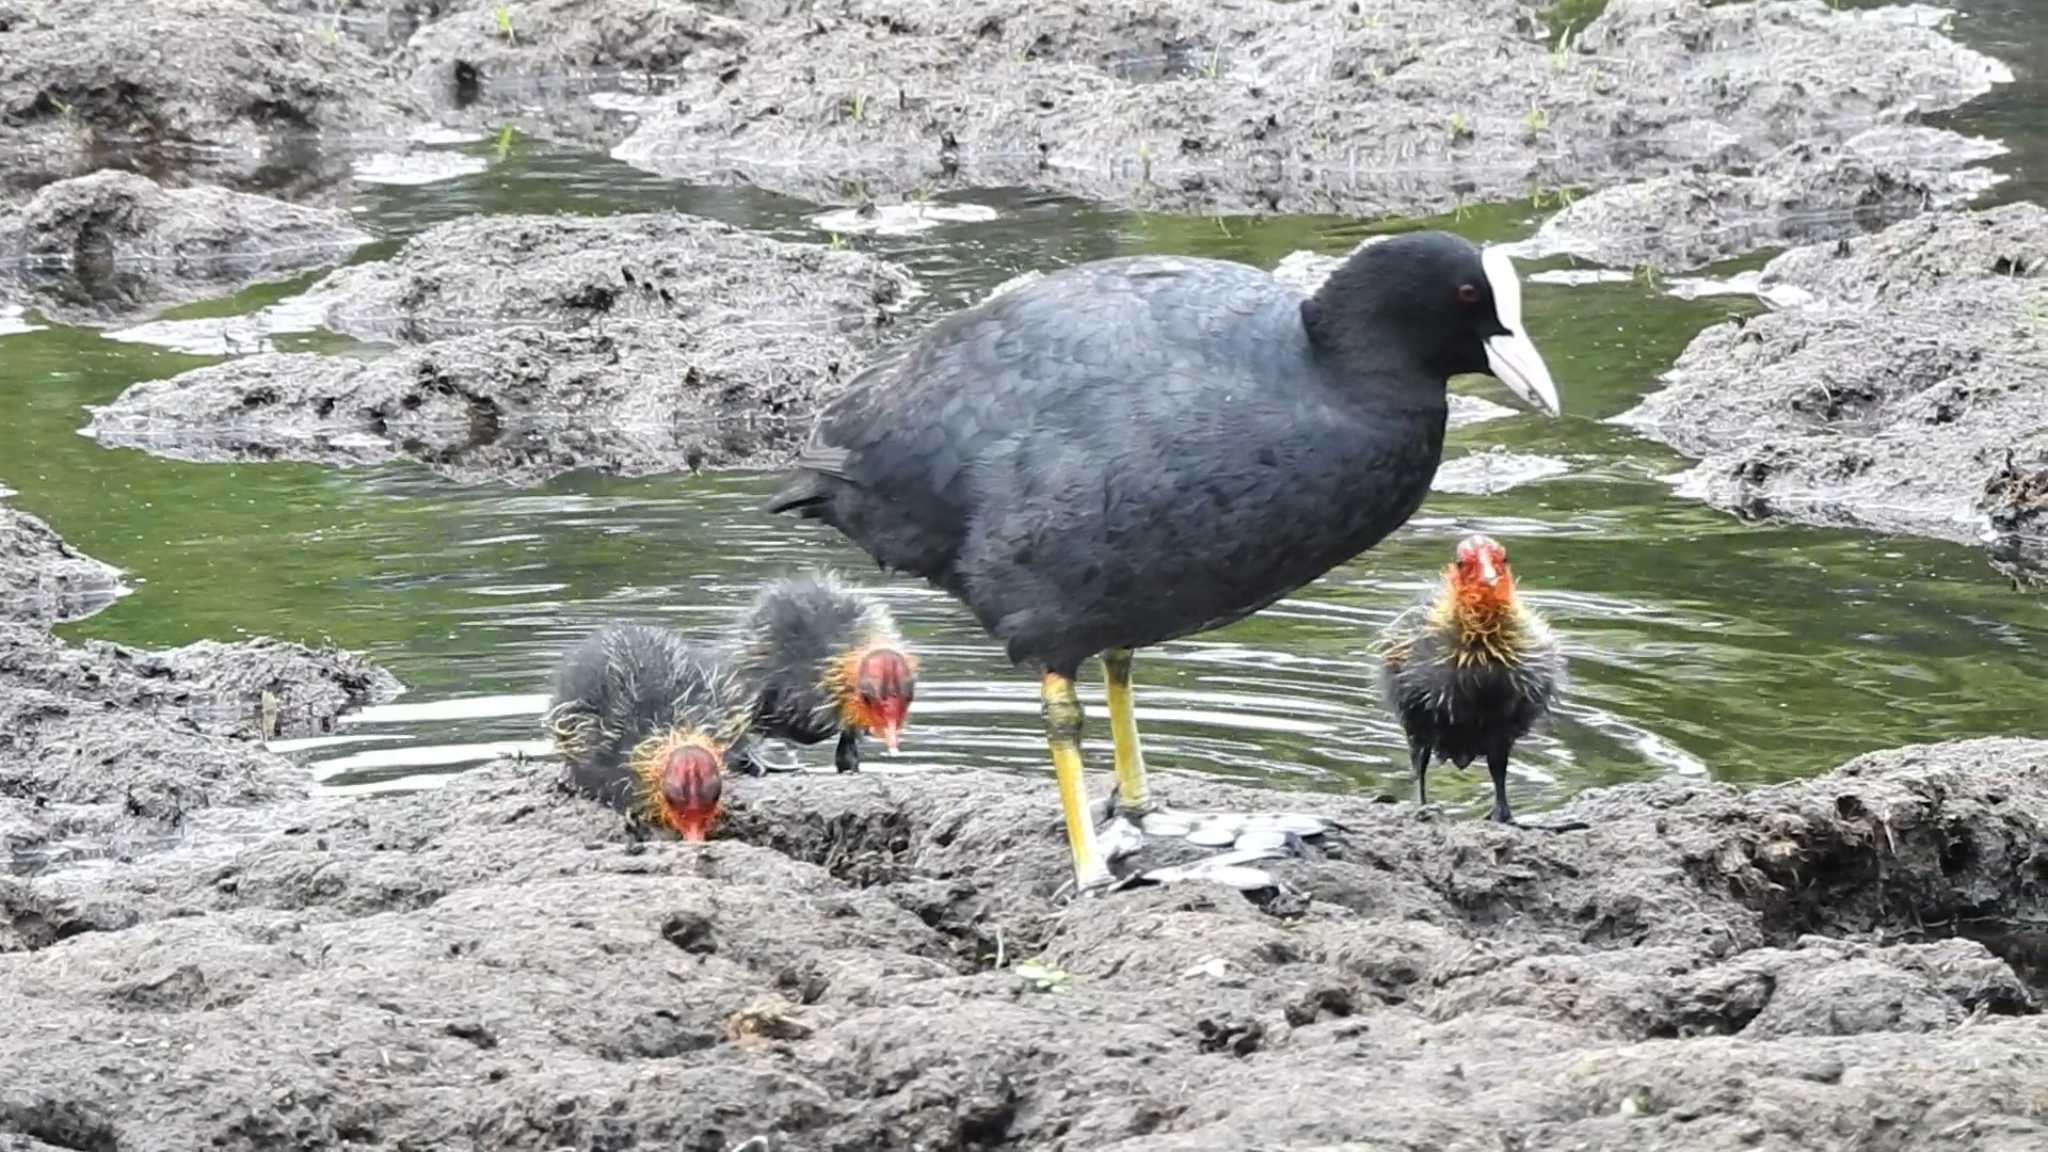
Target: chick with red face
pixel 645 722
pixel 821 660
pixel 1471 670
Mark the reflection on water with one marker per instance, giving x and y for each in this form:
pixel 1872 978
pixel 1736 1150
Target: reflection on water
pixel 1699 646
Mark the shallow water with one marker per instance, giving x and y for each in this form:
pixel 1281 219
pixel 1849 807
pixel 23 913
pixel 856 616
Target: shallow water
pixel 1700 646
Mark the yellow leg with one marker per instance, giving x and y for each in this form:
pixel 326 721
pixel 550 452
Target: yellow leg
pixel 1063 733
pixel 1135 797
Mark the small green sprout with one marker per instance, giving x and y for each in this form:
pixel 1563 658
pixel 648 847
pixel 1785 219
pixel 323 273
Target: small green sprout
pixel 1041 976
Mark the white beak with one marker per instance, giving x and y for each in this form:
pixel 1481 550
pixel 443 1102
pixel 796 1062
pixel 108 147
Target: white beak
pixel 1512 358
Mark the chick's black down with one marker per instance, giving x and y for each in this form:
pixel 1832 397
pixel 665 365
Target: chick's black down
pixel 626 683
pixel 1473 708
pixel 785 644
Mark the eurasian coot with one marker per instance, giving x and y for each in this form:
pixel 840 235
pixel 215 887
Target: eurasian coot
pixel 1135 450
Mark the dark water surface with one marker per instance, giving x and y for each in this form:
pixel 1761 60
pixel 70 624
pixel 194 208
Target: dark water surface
pixel 1700 645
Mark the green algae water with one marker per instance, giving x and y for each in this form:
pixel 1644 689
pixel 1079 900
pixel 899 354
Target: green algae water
pixel 1700 646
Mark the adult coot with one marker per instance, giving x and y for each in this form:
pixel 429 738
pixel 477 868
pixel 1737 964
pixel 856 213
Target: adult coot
pixel 1138 449
pixel 822 659
pixel 645 721
pixel 1471 670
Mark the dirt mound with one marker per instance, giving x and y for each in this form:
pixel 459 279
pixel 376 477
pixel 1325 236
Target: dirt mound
pixel 216 86
pixel 43 580
pixel 1381 107
pixel 1803 195
pixel 382 26
pixel 540 61
pixel 114 246
pixel 532 346
pixel 877 962
pixel 104 748
pixel 1903 394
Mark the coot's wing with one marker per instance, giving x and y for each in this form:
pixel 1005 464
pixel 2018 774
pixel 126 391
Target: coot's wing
pixel 1069 349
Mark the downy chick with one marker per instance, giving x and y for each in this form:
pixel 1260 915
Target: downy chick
pixel 1471 670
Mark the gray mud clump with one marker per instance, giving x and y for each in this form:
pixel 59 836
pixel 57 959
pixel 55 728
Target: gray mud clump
pixel 539 62
pixel 498 964
pixel 1902 391
pixel 531 346
pixel 106 750
pixel 1805 194
pixel 114 246
pixel 43 580
pixel 1366 108
pixel 150 81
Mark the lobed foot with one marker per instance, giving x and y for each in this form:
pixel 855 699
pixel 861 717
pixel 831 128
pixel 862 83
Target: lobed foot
pixel 1245 839
pixel 1552 829
pixel 1240 831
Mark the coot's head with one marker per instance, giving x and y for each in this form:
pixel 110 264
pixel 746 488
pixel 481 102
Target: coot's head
pixel 1478 577
pixel 873 686
pixel 682 779
pixel 1454 307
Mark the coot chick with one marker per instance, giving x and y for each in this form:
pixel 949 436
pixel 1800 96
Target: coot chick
pixel 1135 450
pixel 822 659
pixel 1471 670
pixel 645 721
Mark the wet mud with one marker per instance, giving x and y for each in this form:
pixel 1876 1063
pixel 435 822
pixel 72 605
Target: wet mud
pixel 1897 389
pixel 528 346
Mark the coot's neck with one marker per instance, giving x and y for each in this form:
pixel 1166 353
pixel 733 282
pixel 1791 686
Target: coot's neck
pixel 1368 370
pixel 1381 438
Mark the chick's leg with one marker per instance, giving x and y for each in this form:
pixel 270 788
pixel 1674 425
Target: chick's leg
pixel 1497 767
pixel 1133 794
pixel 1062 713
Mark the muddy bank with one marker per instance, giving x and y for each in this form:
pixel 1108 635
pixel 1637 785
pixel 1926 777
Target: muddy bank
pixel 1803 195
pixel 531 346
pixel 1901 391
pixel 497 965
pixel 382 26
pixel 223 89
pixel 1376 108
pixel 114 246
pixel 106 749
pixel 578 68
pixel 43 580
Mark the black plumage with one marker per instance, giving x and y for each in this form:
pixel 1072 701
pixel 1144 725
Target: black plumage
pixel 624 689
pixel 1139 449
pixel 1470 671
pixel 795 650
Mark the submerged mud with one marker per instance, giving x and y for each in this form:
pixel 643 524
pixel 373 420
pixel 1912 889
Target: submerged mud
pixel 1899 391
pixel 43 580
pixel 529 346
pixel 115 246
pixel 498 964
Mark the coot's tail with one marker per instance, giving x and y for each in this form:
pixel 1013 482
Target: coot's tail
pixel 805 494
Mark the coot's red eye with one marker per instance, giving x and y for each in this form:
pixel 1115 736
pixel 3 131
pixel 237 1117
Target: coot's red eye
pixel 1468 293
